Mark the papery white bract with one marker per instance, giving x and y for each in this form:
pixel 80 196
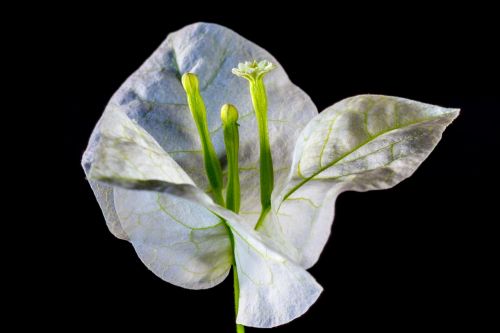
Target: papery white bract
pixel 176 230
pixel 147 138
pixel 144 164
pixel 362 143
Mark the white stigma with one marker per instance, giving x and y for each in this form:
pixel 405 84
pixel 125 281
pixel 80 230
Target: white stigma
pixel 253 69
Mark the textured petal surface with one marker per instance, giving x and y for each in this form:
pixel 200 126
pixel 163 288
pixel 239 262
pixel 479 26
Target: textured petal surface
pixel 183 239
pixel 127 153
pixel 181 242
pixel 105 197
pixel 274 290
pixel 154 98
pixel 362 143
pixel 103 193
pixel 175 232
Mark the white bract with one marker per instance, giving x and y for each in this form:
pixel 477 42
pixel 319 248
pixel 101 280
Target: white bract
pixel 145 165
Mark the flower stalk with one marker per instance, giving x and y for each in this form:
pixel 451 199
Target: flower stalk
pixel 239 328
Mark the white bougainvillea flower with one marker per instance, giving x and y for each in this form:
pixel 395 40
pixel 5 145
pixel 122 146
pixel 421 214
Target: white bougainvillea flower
pixel 145 161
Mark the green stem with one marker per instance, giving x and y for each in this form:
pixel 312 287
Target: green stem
pixel 239 328
pixel 259 101
pixel 236 284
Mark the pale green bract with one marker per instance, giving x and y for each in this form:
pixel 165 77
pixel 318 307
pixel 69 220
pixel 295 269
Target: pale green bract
pixel 144 164
pixel 362 143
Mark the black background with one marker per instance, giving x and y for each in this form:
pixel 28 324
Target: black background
pixel 416 256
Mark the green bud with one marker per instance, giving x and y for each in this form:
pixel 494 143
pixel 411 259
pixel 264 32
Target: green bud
pixel 228 114
pixel 190 82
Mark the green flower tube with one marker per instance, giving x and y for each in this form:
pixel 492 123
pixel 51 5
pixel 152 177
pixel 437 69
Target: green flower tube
pixel 197 106
pixel 254 72
pixel 229 117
